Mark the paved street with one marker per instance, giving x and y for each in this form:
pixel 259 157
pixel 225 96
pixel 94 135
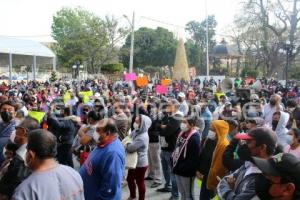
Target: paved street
pixel 151 194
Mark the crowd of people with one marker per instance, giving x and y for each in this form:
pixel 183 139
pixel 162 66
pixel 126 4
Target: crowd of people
pixel 243 143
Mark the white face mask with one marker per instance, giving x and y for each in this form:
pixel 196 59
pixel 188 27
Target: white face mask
pixel 4 151
pixel 211 135
pixel 184 127
pixel 12 136
pixel 96 137
pixel 290 109
pixel 136 126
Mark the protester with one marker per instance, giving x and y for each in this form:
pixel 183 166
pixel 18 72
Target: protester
pixel 155 168
pixel 282 172
pixel 273 106
pixel 49 180
pixel 279 123
pixel 103 171
pixel 9 153
pixel 259 142
pixel 185 157
pixel 140 142
pixel 17 170
pixel 169 135
pixel 65 130
pixel 184 108
pixel 7 125
pixel 294 142
pixel 121 119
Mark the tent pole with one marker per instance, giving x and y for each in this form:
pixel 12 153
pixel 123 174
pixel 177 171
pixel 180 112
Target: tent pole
pixel 34 67
pixel 10 68
pixel 54 64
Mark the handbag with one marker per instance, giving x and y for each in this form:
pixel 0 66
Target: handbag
pixel 131 160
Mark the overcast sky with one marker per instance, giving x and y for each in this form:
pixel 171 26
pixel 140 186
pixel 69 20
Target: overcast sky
pixel 33 18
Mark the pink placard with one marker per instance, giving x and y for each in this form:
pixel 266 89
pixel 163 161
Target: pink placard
pixel 130 77
pixel 161 89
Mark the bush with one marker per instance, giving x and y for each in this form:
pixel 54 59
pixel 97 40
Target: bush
pixel 113 68
pixel 249 72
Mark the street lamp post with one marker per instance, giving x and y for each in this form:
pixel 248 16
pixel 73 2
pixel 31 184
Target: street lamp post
pixel 77 67
pixel 131 44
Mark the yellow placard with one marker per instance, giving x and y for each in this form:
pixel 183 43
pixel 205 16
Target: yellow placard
pixel 39 116
pixel 86 95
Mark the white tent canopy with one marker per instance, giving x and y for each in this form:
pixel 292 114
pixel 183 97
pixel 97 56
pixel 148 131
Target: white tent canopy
pixel 23 52
pixel 24 47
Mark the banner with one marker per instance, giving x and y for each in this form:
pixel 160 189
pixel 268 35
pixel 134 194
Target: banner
pixel 130 77
pixel 161 89
pixel 39 116
pixel 86 95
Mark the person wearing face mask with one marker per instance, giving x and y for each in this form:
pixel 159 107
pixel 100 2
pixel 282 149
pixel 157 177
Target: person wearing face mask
pixel 49 180
pixel 7 125
pixel 294 142
pixel 9 152
pixel 103 171
pixel 294 111
pixel 185 157
pixel 241 184
pixel 279 122
pixel 210 161
pixel 140 144
pixel 273 106
pixel 17 170
pixel 184 108
pixel 282 177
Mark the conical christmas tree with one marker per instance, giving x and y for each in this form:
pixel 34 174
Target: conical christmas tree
pixel 181 67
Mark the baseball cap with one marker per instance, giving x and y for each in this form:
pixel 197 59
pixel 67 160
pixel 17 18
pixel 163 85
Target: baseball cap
pixel 284 165
pixel 181 94
pixel 261 136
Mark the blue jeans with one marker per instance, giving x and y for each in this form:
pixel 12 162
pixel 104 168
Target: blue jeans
pixel 167 171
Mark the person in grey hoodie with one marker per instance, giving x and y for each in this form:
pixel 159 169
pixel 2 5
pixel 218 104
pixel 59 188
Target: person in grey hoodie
pixel 139 144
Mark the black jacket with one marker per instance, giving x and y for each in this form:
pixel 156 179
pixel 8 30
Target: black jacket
pixel 206 155
pixel 187 166
pixel 64 130
pixel 154 130
pixel 229 161
pixel 16 173
pixel 171 131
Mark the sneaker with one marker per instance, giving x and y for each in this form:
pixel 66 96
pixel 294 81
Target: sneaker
pixel 148 178
pixel 164 190
pixel 155 185
pixel 173 198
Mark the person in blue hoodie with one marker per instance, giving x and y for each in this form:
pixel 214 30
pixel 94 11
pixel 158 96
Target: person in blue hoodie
pixel 102 173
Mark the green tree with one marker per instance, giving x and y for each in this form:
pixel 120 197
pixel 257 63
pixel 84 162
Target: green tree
pixel 196 46
pixel 83 36
pixel 152 47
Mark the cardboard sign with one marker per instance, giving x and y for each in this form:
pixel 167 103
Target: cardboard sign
pixel 161 89
pixel 142 81
pixel 86 95
pixel 166 82
pixel 130 77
